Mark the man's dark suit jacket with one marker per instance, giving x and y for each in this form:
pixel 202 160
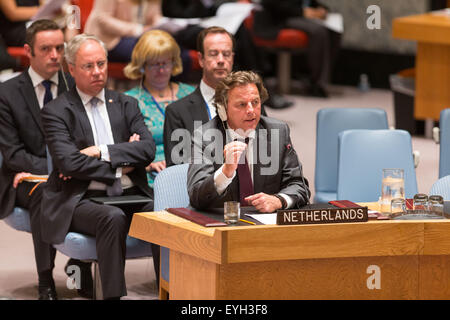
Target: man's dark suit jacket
pixel 272 18
pixel 21 134
pixel 181 114
pixel 287 178
pixel 67 131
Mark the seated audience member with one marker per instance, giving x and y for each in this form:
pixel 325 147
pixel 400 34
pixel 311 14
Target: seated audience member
pixel 216 54
pixel 156 58
pixel 100 147
pixel 248 56
pixel 323 44
pixel 217 172
pixel 120 23
pixel 23 147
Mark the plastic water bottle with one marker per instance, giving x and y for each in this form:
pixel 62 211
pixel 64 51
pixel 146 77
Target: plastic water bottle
pixel 364 84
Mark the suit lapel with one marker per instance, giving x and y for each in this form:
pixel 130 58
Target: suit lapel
pixel 199 106
pixel 258 179
pixel 28 93
pixel 114 114
pixel 78 107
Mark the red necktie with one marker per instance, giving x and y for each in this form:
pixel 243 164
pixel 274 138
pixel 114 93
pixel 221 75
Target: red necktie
pixel 245 179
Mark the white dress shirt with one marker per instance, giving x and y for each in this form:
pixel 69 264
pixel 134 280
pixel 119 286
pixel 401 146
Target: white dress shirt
pixel 101 105
pixel 208 94
pixel 39 88
pixel 221 181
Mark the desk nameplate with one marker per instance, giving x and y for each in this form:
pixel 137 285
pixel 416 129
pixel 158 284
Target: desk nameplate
pixel 321 216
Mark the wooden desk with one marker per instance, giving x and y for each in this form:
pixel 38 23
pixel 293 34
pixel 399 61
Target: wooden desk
pixel 328 261
pixel 432 32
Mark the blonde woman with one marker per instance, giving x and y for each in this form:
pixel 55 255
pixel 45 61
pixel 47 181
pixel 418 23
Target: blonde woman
pixel 155 59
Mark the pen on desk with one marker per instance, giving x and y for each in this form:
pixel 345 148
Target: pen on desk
pixel 246 221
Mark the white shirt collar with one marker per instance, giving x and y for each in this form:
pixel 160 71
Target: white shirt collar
pixel 207 93
pixel 234 135
pixel 85 98
pixel 36 78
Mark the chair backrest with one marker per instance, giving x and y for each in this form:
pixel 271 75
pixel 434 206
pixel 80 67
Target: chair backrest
pixel 441 187
pixel 444 138
pixel 362 156
pixel 171 188
pixel 330 122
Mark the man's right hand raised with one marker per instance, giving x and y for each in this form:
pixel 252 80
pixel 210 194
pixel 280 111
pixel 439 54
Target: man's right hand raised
pixel 232 153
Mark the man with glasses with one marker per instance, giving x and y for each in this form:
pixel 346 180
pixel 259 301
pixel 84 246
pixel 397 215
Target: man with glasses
pixel 23 147
pixel 100 147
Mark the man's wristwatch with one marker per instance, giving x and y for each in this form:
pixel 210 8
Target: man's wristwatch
pixel 283 201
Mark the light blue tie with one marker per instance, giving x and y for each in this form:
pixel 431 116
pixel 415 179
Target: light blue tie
pixel 102 138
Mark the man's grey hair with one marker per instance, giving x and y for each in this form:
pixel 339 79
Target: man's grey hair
pixel 75 43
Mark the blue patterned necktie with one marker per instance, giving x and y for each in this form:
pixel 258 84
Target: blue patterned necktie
pixel 48 96
pixel 102 138
pixel 48 91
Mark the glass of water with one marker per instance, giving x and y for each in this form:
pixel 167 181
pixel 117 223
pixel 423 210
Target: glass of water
pixel 420 202
pixel 392 186
pixel 436 204
pixel 231 212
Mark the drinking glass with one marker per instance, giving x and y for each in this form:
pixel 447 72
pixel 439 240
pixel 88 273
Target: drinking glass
pixel 392 186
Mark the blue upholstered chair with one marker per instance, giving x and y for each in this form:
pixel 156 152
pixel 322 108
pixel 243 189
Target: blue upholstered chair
pixel 362 155
pixel 80 246
pixel 329 123
pixel 170 192
pixel 442 187
pixel 444 138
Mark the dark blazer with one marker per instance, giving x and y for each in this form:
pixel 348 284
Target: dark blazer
pixel 271 19
pixel 21 134
pixel 285 175
pixel 181 114
pixel 67 131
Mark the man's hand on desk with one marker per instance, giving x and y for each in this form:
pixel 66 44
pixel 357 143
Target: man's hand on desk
pixel 264 202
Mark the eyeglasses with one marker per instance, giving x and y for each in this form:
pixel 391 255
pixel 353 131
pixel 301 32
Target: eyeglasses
pixel 160 65
pixel 89 67
pixel 214 54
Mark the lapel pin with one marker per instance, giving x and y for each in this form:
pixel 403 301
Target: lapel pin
pixel 288 146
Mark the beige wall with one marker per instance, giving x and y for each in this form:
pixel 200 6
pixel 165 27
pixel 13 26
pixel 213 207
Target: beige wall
pixel 358 36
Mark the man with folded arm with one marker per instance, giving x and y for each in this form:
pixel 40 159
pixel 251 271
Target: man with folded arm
pixel 243 156
pixel 23 147
pixel 100 147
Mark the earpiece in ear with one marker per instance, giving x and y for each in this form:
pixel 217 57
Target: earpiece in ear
pixel 142 70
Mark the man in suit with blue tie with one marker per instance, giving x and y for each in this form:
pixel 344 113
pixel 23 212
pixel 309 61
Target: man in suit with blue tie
pixel 22 142
pixel 100 147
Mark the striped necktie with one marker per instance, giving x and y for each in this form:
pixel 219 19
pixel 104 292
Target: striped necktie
pixel 245 179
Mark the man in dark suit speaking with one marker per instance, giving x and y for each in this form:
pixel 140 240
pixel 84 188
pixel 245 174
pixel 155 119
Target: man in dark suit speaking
pixel 100 147
pixel 243 156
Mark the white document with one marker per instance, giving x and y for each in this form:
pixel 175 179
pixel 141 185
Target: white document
pixel 333 21
pixel 266 218
pixel 229 16
pixel 48 10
